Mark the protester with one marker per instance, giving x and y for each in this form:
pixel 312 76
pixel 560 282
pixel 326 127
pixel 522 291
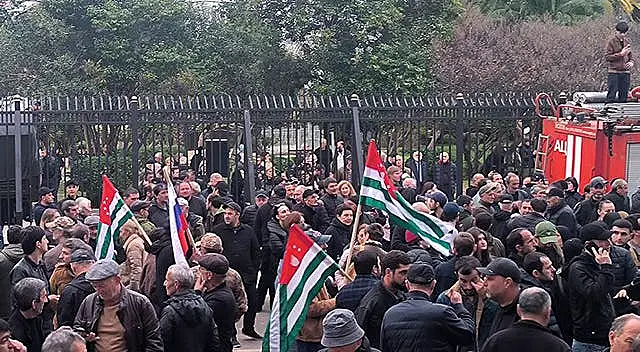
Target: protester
pixel 27 323
pixel 417 324
pixel 520 242
pixel 63 274
pixel 385 294
pixel 9 257
pixel 624 331
pixel 314 213
pixel 77 290
pixel 211 285
pixel 340 231
pixel 341 333
pixel 502 285
pixel 367 270
pixel 242 250
pixel 135 254
pixel 187 320
pixel 61 230
pixel 463 245
pixel 530 334
pixel 115 318
pixel 559 213
pixel 7 344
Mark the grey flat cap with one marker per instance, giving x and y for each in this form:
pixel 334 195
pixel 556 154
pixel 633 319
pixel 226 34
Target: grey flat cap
pixel 102 269
pixel 92 220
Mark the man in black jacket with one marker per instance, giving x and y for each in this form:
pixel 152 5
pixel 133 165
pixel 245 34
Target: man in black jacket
pixel 530 220
pixel 77 290
pixel 187 320
pixel 445 273
pixel 419 325
pixel 559 213
pixel 590 280
pixel 519 243
pixel 331 199
pixel 587 210
pixel 9 256
pixel 530 334
pixel 314 213
pixel 385 294
pixel 340 231
pixel 27 322
pixel 502 282
pixel 159 209
pixel 211 285
pixel 249 213
pixel 243 252
pixel 619 195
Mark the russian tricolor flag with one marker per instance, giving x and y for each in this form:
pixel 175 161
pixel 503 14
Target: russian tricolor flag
pixel 178 227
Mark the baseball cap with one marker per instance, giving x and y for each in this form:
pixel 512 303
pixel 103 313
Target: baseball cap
pixel 139 205
pixel 450 210
pixel 439 197
pixel 262 194
pixel 597 182
pixel 536 177
pixel 102 269
pixel 420 273
pixel 71 182
pixel 215 263
pixel 546 232
pixel 502 267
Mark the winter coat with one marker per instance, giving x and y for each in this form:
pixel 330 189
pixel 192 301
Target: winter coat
pixel 241 249
pixel 372 308
pixel 223 304
pixel 197 206
pixel 562 214
pixel 419 170
pixel 9 257
pixel 27 268
pixel 586 212
pixel 331 202
pixel 482 309
pixel 62 275
pixel 31 332
pixel 635 202
pixel 131 268
pixel 350 295
pixel 499 225
pixel 136 314
pixel 572 198
pixel 444 176
pixel 621 202
pixel 164 259
pixel 320 306
pixel 528 336
pixel 624 268
pixel 340 237
pixel 315 216
pixel 505 317
pixel 187 324
pixel 528 222
pixel 277 238
pixel 159 216
pixel 589 285
pixel 249 215
pixel 71 299
pixel 445 276
pixel 419 325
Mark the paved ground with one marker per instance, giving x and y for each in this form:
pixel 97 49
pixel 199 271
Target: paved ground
pixel 249 344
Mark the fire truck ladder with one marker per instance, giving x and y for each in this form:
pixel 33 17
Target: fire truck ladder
pixel 541 153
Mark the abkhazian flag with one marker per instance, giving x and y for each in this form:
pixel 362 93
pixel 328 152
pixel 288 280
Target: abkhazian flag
pixel 379 192
pixel 178 227
pixel 305 267
pixel 113 214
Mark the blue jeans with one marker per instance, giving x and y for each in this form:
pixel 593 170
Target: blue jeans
pixel 586 347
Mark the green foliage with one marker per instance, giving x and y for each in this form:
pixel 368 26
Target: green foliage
pixel 88 170
pixel 561 11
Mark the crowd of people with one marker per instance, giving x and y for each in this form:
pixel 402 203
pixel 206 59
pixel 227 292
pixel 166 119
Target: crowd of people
pixel 533 265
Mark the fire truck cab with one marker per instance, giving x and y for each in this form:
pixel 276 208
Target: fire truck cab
pixel 585 138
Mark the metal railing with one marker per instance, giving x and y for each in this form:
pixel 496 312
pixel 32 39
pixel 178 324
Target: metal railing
pixel 252 140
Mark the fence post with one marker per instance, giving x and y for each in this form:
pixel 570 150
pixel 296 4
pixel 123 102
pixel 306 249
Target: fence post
pixel 459 142
pixel 17 120
pixel 248 150
pixel 357 165
pixel 135 141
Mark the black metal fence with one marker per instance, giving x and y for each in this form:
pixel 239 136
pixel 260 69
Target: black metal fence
pixel 252 141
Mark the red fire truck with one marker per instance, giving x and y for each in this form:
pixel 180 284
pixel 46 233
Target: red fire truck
pixel 584 138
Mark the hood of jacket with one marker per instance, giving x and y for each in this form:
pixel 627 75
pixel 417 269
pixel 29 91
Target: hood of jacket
pixel 13 252
pixel 190 308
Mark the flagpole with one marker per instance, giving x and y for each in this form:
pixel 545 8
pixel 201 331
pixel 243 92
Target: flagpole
pixel 354 234
pixel 142 231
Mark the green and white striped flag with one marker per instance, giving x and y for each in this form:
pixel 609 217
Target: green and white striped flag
pixel 113 214
pixel 379 192
pixel 305 267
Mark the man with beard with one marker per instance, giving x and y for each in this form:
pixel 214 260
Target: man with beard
pixel 367 270
pixel 385 294
pixel 474 298
pixel 559 213
pixel 502 285
pixel 159 211
pixel 314 213
pixel 538 271
pixel 587 210
pixel 340 231
pixel 619 194
pixel 331 199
